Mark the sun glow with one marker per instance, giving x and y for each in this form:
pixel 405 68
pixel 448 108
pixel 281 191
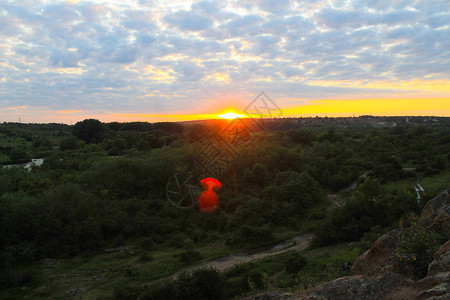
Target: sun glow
pixel 230 115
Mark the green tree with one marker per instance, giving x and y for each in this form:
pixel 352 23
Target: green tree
pixel 298 188
pixel 19 156
pixel 143 145
pixel 69 143
pixel 89 130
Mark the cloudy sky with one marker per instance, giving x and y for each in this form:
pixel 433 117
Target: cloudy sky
pixel 64 61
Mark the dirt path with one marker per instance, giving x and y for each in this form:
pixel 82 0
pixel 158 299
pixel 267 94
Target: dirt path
pixel 299 242
pixel 334 197
pixel 272 279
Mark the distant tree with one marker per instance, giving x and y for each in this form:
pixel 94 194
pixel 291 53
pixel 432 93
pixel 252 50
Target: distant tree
pixel 143 145
pixel 295 187
pixel 371 188
pixel 19 156
pixel 440 162
pixel 116 146
pixel 169 127
pixel 42 142
pixel 69 143
pixel 257 175
pixel 153 141
pixel 89 130
pixel 301 136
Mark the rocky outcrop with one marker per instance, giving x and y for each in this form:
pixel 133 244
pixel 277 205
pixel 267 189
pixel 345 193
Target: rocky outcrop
pixel 441 262
pixel 376 258
pixel 272 296
pixel 355 287
pixel 437 206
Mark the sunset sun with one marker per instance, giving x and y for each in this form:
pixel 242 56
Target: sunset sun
pixel 230 115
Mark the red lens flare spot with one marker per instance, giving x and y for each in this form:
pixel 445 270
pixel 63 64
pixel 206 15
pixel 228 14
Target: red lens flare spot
pixel 211 184
pixel 209 200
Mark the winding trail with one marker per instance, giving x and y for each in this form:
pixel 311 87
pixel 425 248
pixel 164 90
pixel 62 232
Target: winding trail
pixel 273 277
pixel 335 198
pixel 299 242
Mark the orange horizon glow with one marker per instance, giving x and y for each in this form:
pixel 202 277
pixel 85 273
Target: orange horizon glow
pixel 376 107
pixel 331 108
pixel 324 107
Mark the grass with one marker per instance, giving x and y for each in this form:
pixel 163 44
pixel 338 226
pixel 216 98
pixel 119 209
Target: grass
pixel 103 272
pixel 323 264
pixel 436 184
pixel 433 185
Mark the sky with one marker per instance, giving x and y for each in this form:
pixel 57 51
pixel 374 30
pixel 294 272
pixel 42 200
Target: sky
pixel 150 60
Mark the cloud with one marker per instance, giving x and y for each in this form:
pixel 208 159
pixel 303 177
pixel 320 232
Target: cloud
pixel 333 18
pixel 275 6
pixel 242 26
pixel 159 56
pixel 188 20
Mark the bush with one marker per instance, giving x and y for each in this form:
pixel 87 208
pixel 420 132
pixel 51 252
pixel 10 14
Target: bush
pixel 255 280
pixel 295 263
pixel 201 284
pixel 189 253
pixel 144 257
pixel 126 293
pixel 247 234
pixel 417 246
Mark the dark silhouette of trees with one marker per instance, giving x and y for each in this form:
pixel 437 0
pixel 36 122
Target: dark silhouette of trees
pixel 89 130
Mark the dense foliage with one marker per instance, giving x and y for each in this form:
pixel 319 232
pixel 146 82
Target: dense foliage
pixel 103 184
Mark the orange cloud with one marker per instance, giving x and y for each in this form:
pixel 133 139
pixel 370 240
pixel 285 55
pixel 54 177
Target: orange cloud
pixel 15 107
pixel 69 111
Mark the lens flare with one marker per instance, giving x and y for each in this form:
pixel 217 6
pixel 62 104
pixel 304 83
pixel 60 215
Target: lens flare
pixel 209 200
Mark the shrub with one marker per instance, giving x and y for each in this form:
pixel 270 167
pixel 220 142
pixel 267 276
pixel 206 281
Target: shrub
pixel 249 234
pixel 417 246
pixel 295 263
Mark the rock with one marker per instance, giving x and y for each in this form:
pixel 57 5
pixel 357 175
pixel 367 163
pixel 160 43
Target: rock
pixel 272 296
pixel 355 287
pixel 374 259
pixel 437 211
pixel 441 290
pixel 433 280
pixel 443 249
pixel 441 262
pixel 437 205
